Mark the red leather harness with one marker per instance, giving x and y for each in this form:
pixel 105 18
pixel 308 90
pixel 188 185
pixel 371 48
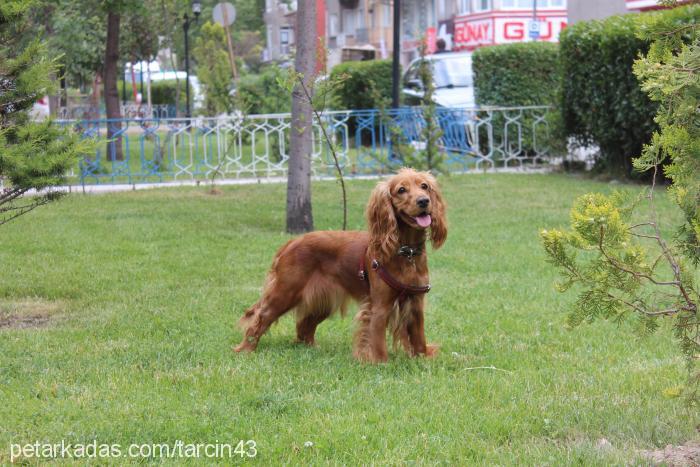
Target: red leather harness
pixel 391 281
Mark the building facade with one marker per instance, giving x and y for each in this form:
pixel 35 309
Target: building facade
pixel 491 22
pixel 358 30
pixel 362 29
pixel 280 18
pixel 584 10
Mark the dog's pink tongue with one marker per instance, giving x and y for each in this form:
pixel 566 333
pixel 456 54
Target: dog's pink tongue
pixel 424 220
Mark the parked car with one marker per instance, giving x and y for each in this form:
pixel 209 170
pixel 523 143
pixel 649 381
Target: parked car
pixel 454 96
pixel 453 78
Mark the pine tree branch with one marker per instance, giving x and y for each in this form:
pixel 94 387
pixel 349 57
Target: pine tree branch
pixel 664 247
pixel 619 266
pixel 640 225
pixel 667 312
pixel 653 237
pixel 10 194
pixel 27 208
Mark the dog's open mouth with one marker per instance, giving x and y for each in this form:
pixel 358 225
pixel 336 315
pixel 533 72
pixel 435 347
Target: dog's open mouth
pixel 423 220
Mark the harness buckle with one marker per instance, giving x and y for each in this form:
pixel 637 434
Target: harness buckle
pixel 407 251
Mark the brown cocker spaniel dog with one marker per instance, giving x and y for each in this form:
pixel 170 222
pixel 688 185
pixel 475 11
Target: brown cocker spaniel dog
pixel 319 272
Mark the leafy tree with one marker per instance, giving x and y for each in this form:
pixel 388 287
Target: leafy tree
pixel 622 262
pixel 79 36
pixel 214 69
pixel 262 93
pixel 33 156
pixel 247 46
pixel 249 20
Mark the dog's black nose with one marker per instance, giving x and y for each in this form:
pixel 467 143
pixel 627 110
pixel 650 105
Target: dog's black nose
pixel 423 202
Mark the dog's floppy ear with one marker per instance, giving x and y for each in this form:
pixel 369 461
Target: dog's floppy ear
pixel 438 228
pixel 381 221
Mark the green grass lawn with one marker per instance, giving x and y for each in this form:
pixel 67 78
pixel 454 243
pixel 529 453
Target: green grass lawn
pixel 141 291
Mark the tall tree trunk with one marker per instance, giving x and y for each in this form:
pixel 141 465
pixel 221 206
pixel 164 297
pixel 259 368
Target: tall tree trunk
pixel 299 215
pixel 114 148
pixel 94 112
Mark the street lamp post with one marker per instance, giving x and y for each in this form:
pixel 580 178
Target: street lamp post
pixel 396 59
pixel 534 16
pixel 196 10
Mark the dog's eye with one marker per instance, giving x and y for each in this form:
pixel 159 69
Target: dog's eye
pixel 424 186
pixel 401 190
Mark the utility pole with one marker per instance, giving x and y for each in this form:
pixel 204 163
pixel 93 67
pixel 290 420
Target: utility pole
pixel 396 63
pixel 186 28
pixel 534 15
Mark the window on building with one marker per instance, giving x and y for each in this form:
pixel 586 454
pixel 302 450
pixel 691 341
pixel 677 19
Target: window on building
pixel 333 25
pixel 482 5
pixel 465 6
pixel 527 4
pixel 285 40
pixel 349 21
pixel 386 15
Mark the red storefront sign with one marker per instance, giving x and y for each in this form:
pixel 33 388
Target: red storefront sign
pixel 473 31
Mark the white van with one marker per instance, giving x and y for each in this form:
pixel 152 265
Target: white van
pixel 453 78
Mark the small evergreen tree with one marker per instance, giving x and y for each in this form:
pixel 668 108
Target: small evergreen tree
pixel 33 155
pixel 623 263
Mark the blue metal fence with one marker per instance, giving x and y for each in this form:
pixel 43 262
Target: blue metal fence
pixel 136 150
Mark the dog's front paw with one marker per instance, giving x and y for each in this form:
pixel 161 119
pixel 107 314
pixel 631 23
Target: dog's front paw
pixel 367 356
pixel 247 345
pixel 431 350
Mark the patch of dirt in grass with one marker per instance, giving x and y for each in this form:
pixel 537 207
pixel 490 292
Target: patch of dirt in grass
pixel 687 454
pixel 28 313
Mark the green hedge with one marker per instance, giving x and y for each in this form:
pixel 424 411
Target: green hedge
pixel 516 74
pixel 162 92
pixel 358 79
pixel 601 99
pixel 262 93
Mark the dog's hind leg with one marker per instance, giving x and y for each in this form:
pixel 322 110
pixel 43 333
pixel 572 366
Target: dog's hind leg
pixel 320 299
pixel 256 322
pixel 306 326
pixel 277 299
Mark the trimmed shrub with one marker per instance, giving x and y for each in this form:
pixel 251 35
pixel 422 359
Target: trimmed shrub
pixel 358 81
pixel 162 92
pixel 262 94
pixel 516 74
pixel 601 100
pixel 520 74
